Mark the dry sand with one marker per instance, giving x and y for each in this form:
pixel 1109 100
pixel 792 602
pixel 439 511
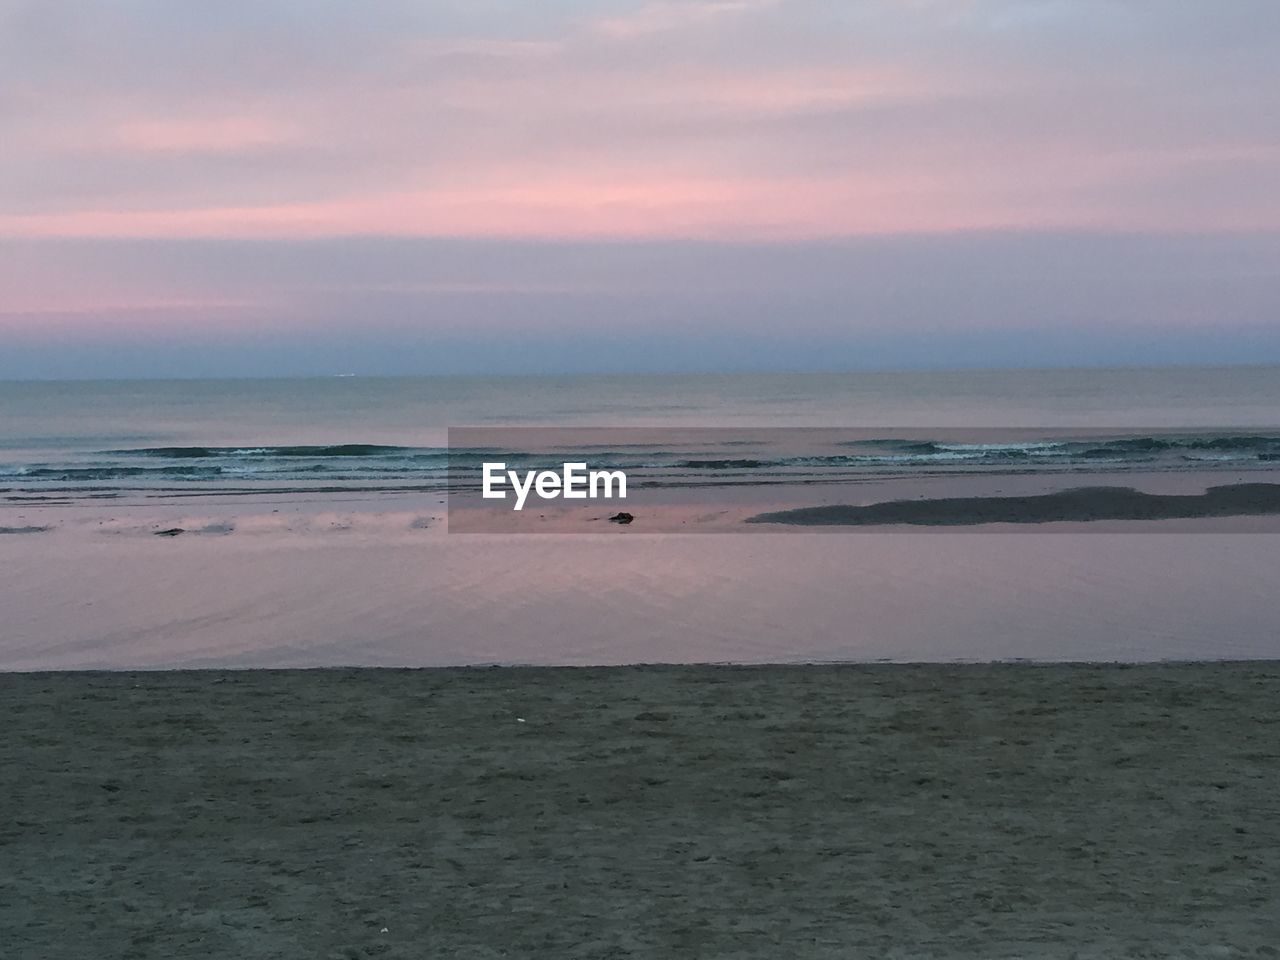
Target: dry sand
pixel 665 812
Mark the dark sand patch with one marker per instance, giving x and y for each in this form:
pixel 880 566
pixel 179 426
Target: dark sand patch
pixel 664 812
pixel 1080 505
pixel 22 530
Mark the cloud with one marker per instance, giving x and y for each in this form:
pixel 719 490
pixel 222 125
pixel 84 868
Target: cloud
pixel 707 118
pixel 216 134
pixel 455 175
pixel 389 306
pixel 667 15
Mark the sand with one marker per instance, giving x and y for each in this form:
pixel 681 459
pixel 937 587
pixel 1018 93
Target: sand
pixel 666 812
pixel 1076 505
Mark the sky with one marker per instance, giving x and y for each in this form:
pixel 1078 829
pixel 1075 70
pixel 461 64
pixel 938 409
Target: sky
pixel 306 187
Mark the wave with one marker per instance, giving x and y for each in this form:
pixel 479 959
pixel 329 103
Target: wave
pixel 882 450
pixel 75 474
pixel 288 452
pixel 1243 446
pixel 685 462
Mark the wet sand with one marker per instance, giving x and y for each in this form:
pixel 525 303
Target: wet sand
pixel 666 812
pixel 1078 505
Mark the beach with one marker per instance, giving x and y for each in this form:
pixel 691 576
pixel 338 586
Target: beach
pixel 1003 810
pixel 651 479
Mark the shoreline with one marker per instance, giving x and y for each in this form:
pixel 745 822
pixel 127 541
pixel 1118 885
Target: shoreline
pixel 728 666
pixel 902 504
pixel 336 584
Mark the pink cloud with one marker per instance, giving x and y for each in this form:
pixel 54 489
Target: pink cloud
pixel 662 16
pixel 661 122
pixel 1024 185
pixel 216 134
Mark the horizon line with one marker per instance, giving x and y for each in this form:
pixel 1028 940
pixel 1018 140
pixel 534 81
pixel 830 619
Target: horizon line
pixel 579 374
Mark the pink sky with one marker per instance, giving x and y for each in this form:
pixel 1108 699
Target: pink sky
pixel 717 121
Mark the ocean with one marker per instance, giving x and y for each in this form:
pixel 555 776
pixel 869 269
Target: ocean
pixel 313 523
pixel 387 433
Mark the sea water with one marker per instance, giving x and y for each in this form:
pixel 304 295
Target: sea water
pixel 404 593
